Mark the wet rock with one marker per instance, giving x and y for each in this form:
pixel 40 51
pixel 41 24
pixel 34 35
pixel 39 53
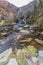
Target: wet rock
pixel 34 33
pixel 41 33
pixel 26 26
pixel 5 33
pixel 35 60
pixel 20 28
pixel 40 57
pixel 40 53
pixel 12 61
pixel 32 61
pixel 5 55
pixel 26 40
pixel 25 31
pixel 39 41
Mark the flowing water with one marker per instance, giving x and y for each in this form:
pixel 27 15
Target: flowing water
pixel 15 32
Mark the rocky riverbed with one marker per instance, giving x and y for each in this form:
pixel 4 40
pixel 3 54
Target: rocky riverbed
pixel 20 37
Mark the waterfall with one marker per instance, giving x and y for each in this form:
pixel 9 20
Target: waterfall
pixel 21 18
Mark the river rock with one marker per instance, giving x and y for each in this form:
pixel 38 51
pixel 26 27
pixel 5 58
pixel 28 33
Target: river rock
pixel 26 26
pixel 35 60
pixel 32 61
pixel 39 41
pixel 5 55
pixel 12 61
pixel 41 33
pixel 20 28
pixel 27 40
pixel 25 31
pixel 40 57
pixel 3 33
pixel 41 53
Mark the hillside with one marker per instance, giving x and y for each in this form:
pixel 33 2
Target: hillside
pixel 8 11
pixel 8 6
pixel 33 12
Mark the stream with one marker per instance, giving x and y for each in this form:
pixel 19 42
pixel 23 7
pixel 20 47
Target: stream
pixel 17 37
pixel 5 42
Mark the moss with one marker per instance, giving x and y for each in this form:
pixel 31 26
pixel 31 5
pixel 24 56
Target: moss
pixel 21 59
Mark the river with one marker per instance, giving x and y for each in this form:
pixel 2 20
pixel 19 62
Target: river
pixel 11 39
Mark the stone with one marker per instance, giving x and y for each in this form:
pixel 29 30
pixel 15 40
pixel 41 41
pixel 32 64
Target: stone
pixel 35 60
pixel 41 33
pixel 12 61
pixel 41 53
pixel 40 57
pixel 25 31
pixel 26 26
pixel 32 61
pixel 5 54
pixel 39 41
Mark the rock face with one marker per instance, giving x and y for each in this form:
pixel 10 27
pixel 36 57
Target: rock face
pixel 8 11
pixel 39 21
pixel 30 6
pixel 28 11
pixel 8 6
pixel 27 8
